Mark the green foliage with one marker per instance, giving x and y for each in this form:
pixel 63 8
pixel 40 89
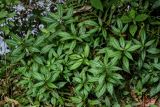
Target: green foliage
pixel 85 59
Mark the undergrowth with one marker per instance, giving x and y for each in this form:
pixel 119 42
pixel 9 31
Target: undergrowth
pixel 89 53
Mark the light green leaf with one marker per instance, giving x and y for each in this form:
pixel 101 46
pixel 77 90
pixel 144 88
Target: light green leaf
pixel 47 19
pixel 60 10
pixel 128 55
pixel 51 85
pixel 115 44
pixel 102 91
pixel 110 88
pixel 33 49
pixel 122 42
pixel 35 67
pixel 115 30
pixel 119 23
pixel 90 23
pixel 133 48
pixel 76 64
pixel 125 64
pixel 46 48
pixel 61 84
pixel 86 50
pixel 76 100
pixel 107 101
pixel 94 102
pixel 64 34
pixel 38 76
pixel 3 13
pixel 39 40
pixel 38 59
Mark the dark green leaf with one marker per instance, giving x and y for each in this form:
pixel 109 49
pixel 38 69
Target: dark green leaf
pixel 141 17
pixel 97 4
pixel 133 29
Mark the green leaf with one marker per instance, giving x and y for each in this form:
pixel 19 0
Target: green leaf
pixel 47 19
pixel 51 85
pixel 153 105
pixel 52 27
pixel 149 43
pixel 76 100
pixel 75 56
pixel 39 84
pixel 145 79
pixel 116 105
pixel 104 33
pixel 119 23
pixel 107 102
pixel 125 64
pixel 101 91
pixel 73 29
pixel 115 44
pixel 18 57
pixel 17 51
pixel 157 66
pixel 97 4
pixel 76 64
pixel 11 42
pixel 46 48
pixel 37 76
pixel 132 14
pixel 115 30
pixel 128 55
pixel 117 76
pixel 38 59
pixel 141 17
pixel 124 28
pixel 128 45
pixel 33 49
pixel 86 50
pixel 64 34
pixel 133 29
pixel 17 39
pixel 3 13
pixel 153 50
pixel 60 10
pixel 156 4
pixel 133 48
pixel 122 42
pixel 110 88
pixel 39 40
pixel 90 23
pixel 126 19
pixel 94 102
pixel 69 13
pixel 61 84
pixel 155 90
pixel 35 67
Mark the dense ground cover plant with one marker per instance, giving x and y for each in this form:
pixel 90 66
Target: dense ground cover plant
pixel 87 54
